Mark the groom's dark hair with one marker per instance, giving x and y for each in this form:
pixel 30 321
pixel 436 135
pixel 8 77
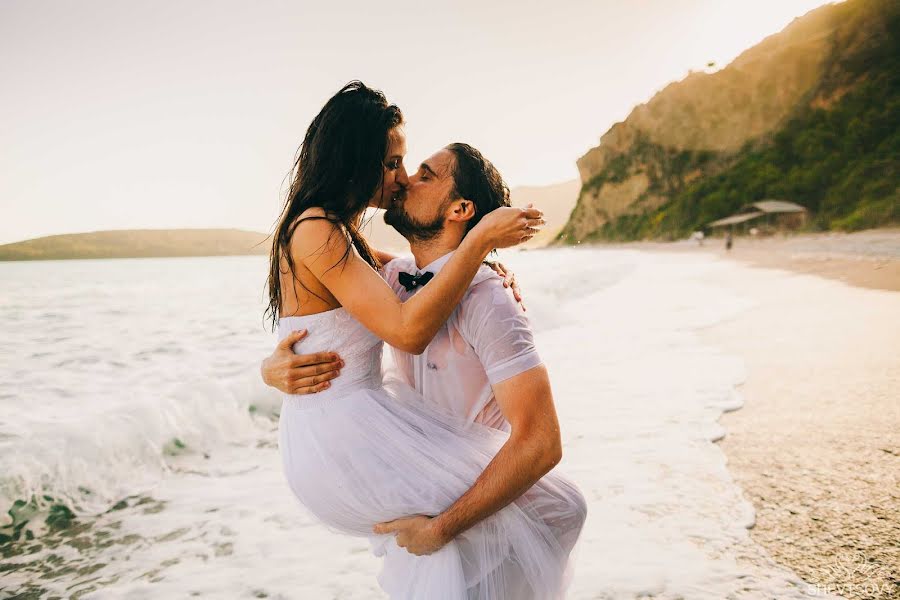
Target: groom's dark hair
pixel 476 179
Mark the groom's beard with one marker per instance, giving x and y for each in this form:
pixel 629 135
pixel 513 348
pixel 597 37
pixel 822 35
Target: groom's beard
pixel 411 229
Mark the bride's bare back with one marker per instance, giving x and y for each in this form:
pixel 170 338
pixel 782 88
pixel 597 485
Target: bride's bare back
pixel 302 293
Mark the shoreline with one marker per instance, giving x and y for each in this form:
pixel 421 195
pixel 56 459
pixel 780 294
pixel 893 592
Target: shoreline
pixel 815 446
pixel 868 259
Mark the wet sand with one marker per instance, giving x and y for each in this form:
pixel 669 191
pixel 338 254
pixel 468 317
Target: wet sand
pixel 816 446
pixel 869 259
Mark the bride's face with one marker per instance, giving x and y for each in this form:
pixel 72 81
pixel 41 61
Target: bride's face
pixel 395 179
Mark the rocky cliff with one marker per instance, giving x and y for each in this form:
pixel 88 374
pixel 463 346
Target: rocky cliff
pixel 702 147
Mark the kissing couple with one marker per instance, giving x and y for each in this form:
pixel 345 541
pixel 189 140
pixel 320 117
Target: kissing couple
pixel 445 462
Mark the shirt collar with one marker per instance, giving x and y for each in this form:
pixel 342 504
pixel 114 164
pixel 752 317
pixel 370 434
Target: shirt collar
pixel 436 265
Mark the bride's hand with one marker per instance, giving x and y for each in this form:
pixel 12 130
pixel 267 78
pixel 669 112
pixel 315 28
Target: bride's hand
pixel 509 279
pixel 508 226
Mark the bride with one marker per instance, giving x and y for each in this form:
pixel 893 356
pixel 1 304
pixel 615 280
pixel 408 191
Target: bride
pixel 369 450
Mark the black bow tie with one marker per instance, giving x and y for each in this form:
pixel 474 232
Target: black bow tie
pixel 410 281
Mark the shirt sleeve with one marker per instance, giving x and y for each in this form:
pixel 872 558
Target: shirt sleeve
pixel 495 325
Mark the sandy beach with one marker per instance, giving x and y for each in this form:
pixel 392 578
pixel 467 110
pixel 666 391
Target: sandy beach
pixel 869 259
pixel 816 446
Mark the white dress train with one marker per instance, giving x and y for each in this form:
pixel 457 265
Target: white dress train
pixel 368 450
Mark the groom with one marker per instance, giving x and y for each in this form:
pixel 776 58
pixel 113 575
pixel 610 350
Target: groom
pixel 482 365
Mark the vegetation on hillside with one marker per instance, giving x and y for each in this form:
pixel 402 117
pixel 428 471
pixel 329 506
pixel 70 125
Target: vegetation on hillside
pixel 841 161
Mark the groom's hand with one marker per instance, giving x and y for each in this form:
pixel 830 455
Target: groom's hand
pixel 419 535
pixel 299 373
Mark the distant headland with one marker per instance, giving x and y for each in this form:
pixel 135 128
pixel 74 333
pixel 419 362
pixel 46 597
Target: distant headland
pixel 138 243
pixel 555 200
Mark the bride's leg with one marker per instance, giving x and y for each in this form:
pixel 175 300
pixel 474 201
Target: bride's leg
pixel 389 456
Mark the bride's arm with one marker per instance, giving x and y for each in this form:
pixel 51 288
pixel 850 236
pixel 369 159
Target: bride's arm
pixel 323 248
pixel 383 257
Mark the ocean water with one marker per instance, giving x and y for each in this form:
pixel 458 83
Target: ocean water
pixel 138 446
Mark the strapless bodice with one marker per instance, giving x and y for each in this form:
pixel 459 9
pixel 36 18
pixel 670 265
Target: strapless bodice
pixel 337 331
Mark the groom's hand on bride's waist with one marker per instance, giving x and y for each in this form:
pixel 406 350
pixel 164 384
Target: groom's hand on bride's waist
pixel 418 534
pixel 299 373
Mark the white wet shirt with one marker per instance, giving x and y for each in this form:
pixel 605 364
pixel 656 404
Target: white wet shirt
pixel 486 340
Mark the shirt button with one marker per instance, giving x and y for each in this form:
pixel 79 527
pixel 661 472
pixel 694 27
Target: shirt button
pixel 432 366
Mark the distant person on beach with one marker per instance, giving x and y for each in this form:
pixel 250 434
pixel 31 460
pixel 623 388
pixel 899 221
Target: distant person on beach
pixel 728 241
pixel 446 469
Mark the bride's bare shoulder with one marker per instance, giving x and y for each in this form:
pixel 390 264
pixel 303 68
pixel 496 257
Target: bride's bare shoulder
pixel 313 214
pixel 316 231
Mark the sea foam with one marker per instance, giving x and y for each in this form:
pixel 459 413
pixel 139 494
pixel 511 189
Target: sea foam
pixel 138 381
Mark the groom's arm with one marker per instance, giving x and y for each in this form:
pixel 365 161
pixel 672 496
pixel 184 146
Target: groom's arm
pixel 533 449
pixel 500 334
pixel 310 373
pixel 299 373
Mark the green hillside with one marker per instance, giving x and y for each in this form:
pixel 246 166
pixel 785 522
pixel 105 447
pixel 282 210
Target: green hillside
pixel 836 152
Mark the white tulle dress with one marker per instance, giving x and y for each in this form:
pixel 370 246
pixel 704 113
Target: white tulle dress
pixel 370 449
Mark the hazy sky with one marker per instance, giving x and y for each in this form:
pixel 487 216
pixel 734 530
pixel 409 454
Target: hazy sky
pixel 139 114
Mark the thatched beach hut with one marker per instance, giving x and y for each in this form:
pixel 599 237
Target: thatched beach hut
pixel 766 215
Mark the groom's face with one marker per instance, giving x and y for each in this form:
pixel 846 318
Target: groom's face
pixel 419 214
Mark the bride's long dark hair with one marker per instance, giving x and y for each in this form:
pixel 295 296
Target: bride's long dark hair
pixel 339 167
